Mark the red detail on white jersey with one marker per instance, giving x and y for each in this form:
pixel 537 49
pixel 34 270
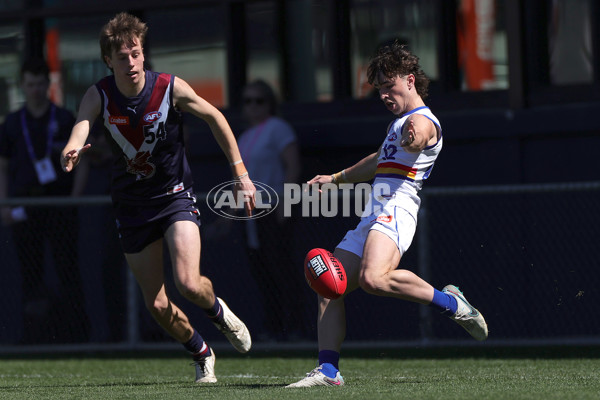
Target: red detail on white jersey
pixel 129 134
pixel 385 218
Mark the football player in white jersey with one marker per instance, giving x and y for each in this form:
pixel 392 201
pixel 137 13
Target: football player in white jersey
pixel 371 253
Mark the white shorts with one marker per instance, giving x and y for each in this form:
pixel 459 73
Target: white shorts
pixel 395 222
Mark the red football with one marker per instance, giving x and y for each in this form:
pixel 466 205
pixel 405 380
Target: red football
pixel 325 273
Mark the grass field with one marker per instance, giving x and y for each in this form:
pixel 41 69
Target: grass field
pixel 430 374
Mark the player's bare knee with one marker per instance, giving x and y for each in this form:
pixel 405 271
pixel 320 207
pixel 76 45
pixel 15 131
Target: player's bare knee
pixel 189 289
pixel 196 291
pixel 158 307
pixel 368 283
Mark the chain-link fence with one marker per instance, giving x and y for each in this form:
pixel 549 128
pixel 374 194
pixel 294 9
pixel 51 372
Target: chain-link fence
pixel 524 255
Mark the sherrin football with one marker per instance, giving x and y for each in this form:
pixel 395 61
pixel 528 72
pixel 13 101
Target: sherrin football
pixel 325 273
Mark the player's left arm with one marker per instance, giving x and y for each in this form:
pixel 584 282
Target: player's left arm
pixel 186 99
pixel 418 132
pixel 89 109
pixel 81 173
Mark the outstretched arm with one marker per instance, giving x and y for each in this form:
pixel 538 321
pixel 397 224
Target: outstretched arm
pixel 75 147
pixel 187 100
pixel 362 171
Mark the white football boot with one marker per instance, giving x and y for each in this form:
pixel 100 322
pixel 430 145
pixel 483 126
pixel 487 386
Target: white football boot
pixel 466 315
pixel 318 378
pixel 234 329
pixel 205 369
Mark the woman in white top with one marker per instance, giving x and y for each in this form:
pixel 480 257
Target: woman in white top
pixel 271 154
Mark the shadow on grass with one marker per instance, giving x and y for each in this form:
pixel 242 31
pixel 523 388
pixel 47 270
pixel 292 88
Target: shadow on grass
pixel 441 352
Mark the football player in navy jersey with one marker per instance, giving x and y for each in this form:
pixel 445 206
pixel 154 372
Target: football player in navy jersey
pixel 151 183
pixel 31 139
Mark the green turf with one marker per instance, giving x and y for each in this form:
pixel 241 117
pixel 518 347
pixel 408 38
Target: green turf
pixel 264 376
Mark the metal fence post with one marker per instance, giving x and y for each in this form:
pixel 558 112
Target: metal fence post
pixel 133 322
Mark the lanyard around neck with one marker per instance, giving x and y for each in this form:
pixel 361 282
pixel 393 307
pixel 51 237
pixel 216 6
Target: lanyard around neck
pixel 50 130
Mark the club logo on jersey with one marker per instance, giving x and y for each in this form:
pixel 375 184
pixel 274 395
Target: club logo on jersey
pixel 317 266
pixel 393 136
pixel 118 120
pixel 152 116
pixel 140 165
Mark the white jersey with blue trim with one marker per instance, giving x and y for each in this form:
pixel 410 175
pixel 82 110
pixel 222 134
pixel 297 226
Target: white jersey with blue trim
pixel 401 172
pixel 397 166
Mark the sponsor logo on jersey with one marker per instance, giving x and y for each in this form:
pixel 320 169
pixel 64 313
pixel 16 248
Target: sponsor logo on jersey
pixel 385 218
pixel 152 116
pixel 392 137
pixel 317 266
pixel 118 120
pixel 175 189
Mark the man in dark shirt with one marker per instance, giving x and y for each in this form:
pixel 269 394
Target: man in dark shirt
pixel 31 139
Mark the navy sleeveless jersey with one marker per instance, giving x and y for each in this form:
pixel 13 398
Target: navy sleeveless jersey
pixel 146 137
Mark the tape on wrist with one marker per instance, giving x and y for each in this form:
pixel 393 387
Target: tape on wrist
pixel 339 177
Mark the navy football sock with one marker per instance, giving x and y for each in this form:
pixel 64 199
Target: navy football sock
pixel 329 360
pixel 443 302
pixel 197 346
pixel 215 312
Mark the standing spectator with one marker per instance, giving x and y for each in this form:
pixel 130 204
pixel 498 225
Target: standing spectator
pixel 271 153
pixel 30 143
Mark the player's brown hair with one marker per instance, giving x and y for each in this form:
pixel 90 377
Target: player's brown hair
pixel 396 60
pixel 123 29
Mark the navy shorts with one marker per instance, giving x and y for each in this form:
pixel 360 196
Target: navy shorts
pixel 140 225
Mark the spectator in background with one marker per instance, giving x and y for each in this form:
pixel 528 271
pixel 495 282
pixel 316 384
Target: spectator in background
pixel 31 140
pixel 270 151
